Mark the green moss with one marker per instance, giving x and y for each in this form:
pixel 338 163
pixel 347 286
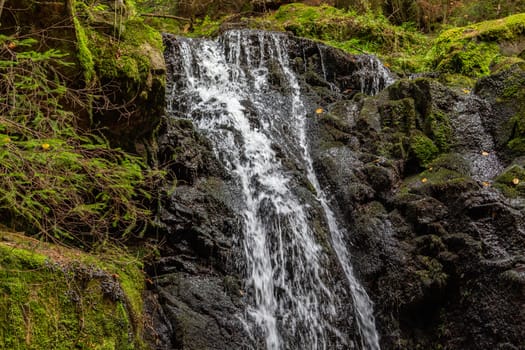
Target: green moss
pixel 84 54
pixel 399 115
pixel 502 63
pixel 512 181
pixel 436 180
pixel 206 27
pixel 438 127
pixel 471 50
pixel 449 161
pixel 455 80
pixel 514 92
pixel 517 143
pixel 432 274
pixel 52 298
pixel 470 58
pixel 423 148
pixel 352 32
pixel 126 49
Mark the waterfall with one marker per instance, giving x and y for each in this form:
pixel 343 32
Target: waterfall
pixel 242 93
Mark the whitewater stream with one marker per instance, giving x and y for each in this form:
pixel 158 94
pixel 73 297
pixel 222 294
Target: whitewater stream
pixel 241 91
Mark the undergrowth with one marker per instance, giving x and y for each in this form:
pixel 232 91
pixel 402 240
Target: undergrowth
pixel 56 180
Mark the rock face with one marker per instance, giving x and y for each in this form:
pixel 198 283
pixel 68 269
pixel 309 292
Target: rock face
pixel 197 284
pixel 423 179
pixel 440 249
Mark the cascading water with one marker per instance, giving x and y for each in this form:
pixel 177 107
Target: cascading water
pixel 243 94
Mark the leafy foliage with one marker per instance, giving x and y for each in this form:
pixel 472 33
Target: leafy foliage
pixel 54 179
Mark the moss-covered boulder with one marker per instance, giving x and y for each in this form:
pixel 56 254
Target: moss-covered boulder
pixel 122 56
pixel 53 297
pixel 415 120
pixel 474 50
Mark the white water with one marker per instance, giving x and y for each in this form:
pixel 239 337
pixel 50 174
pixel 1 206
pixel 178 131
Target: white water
pixel 230 89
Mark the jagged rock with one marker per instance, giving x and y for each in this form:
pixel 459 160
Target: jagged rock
pixel 427 235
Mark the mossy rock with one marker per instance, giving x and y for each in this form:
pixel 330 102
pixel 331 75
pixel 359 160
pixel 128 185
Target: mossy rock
pixel 350 31
pixel 423 148
pixel 451 161
pixel 416 103
pixel 431 275
pixel 512 181
pixel 57 298
pixel 439 182
pixel 122 56
pixel 399 115
pixel 471 50
pixel 437 126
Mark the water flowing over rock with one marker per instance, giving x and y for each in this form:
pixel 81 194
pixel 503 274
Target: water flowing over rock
pixel 243 93
pixel 322 205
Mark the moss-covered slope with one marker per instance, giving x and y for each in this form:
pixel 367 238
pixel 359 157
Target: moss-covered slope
pixel 52 297
pixel 477 49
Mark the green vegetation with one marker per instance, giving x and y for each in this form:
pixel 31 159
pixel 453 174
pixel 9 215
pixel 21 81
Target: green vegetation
pixel 437 125
pixel 58 298
pixel 56 180
pixel 423 148
pixel 474 49
pixel 512 181
pixel 402 47
pixel 432 273
pixel 115 45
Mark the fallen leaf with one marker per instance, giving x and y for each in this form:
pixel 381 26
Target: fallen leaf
pixel 466 91
pixel 486 184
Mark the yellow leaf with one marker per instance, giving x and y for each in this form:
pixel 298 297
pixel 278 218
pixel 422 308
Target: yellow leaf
pixel 319 111
pixel 466 91
pixel 486 184
pixel 423 180
pixel 515 181
pixel 45 146
pixel 484 153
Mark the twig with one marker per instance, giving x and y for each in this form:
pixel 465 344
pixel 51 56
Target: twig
pixel 164 16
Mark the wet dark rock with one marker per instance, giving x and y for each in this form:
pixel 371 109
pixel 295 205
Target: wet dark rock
pixel 423 238
pixel 439 250
pixel 504 91
pixel 192 298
